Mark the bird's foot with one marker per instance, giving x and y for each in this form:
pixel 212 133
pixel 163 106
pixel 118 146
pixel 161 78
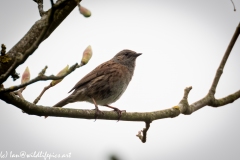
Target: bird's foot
pixel 97 113
pixel 119 112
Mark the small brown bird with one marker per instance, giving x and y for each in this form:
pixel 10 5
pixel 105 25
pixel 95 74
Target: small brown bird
pixel 106 83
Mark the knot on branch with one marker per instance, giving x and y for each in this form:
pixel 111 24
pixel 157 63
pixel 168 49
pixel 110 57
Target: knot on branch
pixel 3 50
pixel 40 7
pixel 183 105
pixel 4 58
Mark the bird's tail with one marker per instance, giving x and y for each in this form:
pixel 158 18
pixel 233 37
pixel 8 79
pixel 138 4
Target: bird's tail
pixel 61 103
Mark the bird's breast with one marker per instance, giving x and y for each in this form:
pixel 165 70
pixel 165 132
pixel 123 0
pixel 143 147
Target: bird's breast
pixel 115 85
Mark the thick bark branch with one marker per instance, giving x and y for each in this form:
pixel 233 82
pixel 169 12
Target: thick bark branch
pixel 33 109
pixel 44 27
pixel 183 106
pixel 30 42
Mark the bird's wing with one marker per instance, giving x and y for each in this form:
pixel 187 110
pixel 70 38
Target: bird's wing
pixel 103 69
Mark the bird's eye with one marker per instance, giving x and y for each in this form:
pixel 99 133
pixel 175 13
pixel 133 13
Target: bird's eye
pixel 126 54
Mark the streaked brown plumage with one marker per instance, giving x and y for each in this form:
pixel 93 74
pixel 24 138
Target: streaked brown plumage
pixel 106 83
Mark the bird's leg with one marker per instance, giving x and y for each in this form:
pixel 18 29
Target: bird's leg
pixel 97 111
pixel 119 112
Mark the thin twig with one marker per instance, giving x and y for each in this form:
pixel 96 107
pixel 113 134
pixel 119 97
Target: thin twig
pixel 209 99
pixel 39 97
pixel 224 60
pixel 186 92
pixel 3 50
pixel 234 9
pixel 40 77
pixel 40 7
pixel 43 71
pixel 142 135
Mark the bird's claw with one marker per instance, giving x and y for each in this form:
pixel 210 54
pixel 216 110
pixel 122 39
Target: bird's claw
pixel 97 113
pixel 119 112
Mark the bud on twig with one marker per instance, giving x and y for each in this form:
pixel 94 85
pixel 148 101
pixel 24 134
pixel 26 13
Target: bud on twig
pixel 87 54
pixel 84 11
pixel 62 72
pixel 25 76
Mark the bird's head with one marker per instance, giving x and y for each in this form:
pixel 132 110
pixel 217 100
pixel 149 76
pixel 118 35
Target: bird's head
pixel 126 57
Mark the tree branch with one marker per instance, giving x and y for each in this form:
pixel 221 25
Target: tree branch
pixel 33 109
pixel 223 62
pixel 3 50
pixel 40 7
pixel 142 135
pixel 225 100
pixel 183 106
pixel 210 99
pixel 40 77
pixel 9 71
pixel 234 9
pixel 43 91
pixel 38 33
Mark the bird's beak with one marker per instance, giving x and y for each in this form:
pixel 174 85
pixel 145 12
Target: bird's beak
pixel 138 54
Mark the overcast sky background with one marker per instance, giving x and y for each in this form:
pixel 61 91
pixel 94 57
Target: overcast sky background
pixel 182 42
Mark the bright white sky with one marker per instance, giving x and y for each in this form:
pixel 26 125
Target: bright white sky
pixel 182 44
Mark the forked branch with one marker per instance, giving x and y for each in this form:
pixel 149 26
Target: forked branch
pixel 147 117
pixel 40 77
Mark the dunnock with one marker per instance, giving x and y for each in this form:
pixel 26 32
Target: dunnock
pixel 106 83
